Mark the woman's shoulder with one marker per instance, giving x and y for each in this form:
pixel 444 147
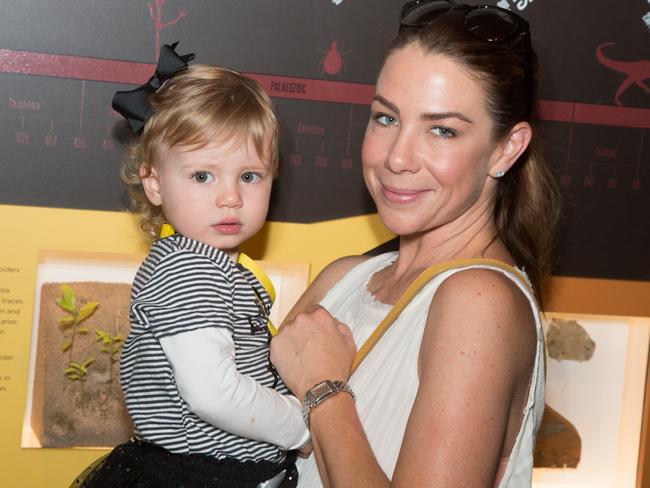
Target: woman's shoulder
pixel 484 287
pixel 324 281
pixel 358 267
pixel 484 299
pixel 333 272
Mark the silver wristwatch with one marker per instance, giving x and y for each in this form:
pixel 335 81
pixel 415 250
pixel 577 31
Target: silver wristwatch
pixel 321 392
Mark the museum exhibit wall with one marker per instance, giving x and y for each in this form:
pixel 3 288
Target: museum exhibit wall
pixel 63 209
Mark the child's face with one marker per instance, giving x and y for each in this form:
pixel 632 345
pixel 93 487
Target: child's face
pixel 218 194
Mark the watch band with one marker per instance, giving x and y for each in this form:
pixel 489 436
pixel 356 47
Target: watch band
pixel 320 392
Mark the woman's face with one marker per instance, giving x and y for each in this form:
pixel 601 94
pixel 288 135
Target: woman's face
pixel 428 147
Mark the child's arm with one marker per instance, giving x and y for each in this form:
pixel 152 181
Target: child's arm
pixel 203 362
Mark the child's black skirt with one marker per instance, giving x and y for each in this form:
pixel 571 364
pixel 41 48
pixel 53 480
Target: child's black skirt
pixel 138 464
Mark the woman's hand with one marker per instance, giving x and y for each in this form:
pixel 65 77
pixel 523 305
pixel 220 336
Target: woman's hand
pixel 312 347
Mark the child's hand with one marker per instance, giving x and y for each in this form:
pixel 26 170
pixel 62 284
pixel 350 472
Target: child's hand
pixel 305 450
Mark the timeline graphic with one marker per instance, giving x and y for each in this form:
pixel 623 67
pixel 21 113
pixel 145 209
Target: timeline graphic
pixel 306 134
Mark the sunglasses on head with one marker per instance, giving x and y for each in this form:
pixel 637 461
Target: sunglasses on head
pixel 485 22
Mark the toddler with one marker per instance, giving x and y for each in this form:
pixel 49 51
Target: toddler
pixel 207 406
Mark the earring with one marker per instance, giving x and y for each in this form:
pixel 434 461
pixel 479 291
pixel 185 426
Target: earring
pixel 499 173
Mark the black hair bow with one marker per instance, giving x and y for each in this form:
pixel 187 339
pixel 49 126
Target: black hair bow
pixel 134 104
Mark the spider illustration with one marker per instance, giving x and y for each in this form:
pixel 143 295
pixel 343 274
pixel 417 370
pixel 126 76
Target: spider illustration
pixel 332 61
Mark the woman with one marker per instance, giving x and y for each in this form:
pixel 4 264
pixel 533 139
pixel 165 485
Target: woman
pixel 450 159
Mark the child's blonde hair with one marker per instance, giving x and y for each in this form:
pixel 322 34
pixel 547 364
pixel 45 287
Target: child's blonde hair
pixel 201 104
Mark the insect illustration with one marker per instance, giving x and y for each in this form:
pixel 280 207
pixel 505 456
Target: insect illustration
pixel 332 61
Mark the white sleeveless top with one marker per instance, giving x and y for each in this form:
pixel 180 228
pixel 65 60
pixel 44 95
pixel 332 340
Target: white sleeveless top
pixel 387 380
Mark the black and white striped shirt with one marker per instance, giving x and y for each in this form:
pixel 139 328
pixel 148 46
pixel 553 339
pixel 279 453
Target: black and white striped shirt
pixel 183 286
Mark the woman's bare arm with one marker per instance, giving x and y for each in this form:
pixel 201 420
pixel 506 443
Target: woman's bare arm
pixel 476 359
pixel 311 348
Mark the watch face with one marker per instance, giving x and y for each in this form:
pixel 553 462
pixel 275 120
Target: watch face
pixel 321 390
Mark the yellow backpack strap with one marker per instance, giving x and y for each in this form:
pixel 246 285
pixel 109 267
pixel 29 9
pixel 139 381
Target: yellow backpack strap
pixel 259 273
pixel 413 289
pixel 263 278
pixel 166 230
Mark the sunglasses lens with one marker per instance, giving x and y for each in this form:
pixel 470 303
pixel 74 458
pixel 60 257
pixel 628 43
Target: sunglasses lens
pixel 491 24
pixel 421 12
